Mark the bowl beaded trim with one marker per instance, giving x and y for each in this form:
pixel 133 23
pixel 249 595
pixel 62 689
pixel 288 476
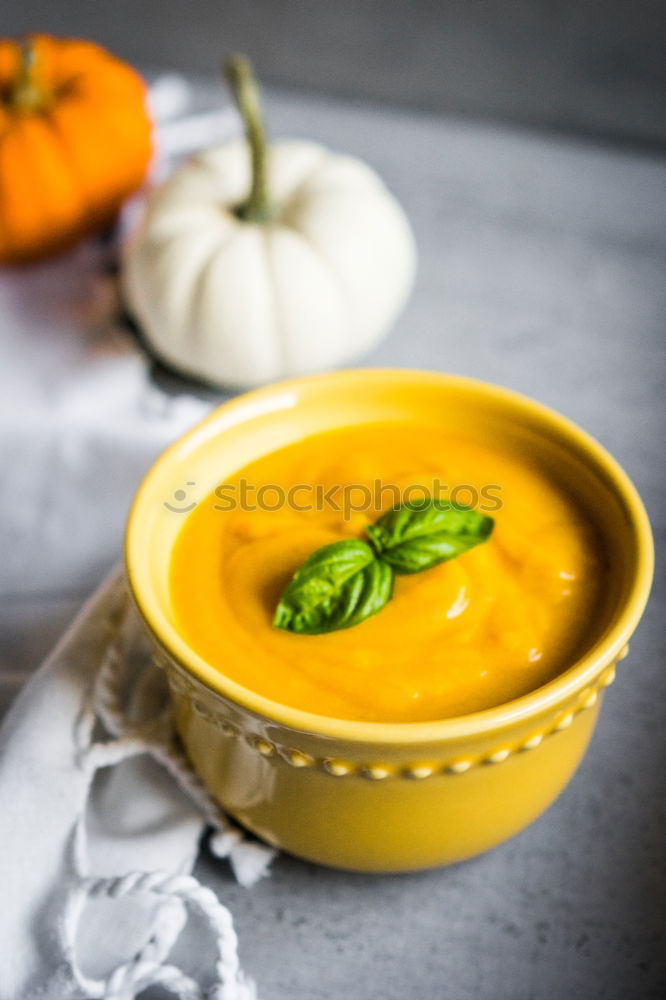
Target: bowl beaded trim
pixel 181 683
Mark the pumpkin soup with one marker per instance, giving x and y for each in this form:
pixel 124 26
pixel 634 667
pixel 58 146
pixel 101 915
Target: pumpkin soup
pixel 473 632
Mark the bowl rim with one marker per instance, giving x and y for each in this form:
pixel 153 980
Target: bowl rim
pixel 584 671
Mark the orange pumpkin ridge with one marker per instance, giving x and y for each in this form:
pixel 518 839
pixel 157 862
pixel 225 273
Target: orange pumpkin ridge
pixel 67 164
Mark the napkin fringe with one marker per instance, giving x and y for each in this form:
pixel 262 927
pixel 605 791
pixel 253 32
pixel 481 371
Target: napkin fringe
pixel 249 859
pixel 149 966
pixel 112 728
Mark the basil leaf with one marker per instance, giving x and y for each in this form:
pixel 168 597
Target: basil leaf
pixel 339 585
pixel 342 584
pixel 423 533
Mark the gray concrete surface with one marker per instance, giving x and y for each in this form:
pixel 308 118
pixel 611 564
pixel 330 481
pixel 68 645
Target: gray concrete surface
pixel 541 268
pixel 587 65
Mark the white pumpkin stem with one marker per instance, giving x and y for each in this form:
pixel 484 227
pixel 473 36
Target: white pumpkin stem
pixel 245 89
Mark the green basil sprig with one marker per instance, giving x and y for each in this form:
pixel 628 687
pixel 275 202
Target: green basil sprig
pixel 423 533
pixel 344 583
pixel 338 586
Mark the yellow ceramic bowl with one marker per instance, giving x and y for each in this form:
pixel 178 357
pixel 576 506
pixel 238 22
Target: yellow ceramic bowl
pixel 374 796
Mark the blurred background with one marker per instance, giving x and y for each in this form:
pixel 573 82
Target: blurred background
pixel 589 66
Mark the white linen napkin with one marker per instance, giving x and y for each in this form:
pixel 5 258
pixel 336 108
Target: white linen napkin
pixel 100 820
pixel 100 815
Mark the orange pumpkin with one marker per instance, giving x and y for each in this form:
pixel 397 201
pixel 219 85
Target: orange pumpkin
pixel 75 141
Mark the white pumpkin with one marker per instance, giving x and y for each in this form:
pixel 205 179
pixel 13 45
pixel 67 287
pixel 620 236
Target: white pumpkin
pixel 240 297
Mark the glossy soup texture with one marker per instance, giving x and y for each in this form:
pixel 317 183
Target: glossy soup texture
pixel 470 634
